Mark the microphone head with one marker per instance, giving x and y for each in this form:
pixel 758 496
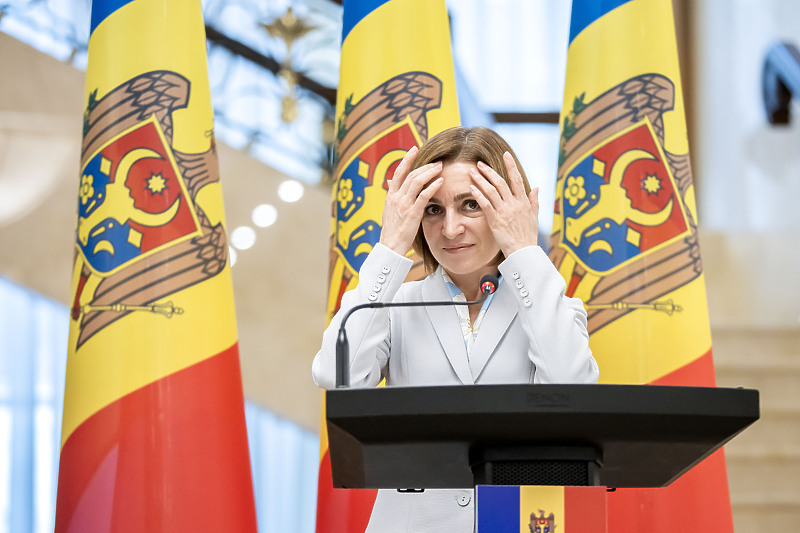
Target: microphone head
pixel 489 284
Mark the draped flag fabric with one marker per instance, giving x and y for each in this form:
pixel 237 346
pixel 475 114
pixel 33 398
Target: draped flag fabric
pixel 396 89
pixel 154 435
pixel 625 233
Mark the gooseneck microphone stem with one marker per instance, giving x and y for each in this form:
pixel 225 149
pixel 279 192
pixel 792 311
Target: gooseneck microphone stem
pixel 488 286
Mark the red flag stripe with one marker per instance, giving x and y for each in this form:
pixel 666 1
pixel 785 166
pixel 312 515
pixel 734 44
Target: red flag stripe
pixel 698 373
pixel 672 508
pixel 585 510
pixel 160 460
pixel 636 510
pixel 341 510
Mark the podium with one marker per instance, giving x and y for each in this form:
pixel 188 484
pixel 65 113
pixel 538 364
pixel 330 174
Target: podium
pixel 462 436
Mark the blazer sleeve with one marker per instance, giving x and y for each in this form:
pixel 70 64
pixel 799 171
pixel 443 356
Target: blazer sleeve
pixel 379 280
pixel 554 323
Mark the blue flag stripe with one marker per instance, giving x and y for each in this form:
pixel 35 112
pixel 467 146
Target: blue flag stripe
pixel 101 9
pixel 355 10
pixel 498 508
pixel 584 12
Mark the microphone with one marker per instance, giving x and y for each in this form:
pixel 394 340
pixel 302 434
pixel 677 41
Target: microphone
pixel 488 286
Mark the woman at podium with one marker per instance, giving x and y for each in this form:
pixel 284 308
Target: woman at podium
pixel 464 205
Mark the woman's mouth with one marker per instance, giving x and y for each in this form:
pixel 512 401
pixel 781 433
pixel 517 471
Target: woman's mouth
pixel 453 249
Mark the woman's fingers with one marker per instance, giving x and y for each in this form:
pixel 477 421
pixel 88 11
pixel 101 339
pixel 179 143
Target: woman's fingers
pixel 425 196
pixel 533 198
pixel 483 201
pixel 402 169
pixel 403 209
pixel 495 179
pixel 511 214
pixel 488 186
pixel 517 184
pixel 417 179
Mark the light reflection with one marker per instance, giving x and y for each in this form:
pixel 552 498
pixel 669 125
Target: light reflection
pixel 243 237
pixel 290 191
pixel 264 215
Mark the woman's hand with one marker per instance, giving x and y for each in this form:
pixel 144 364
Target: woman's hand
pixel 512 216
pixel 406 199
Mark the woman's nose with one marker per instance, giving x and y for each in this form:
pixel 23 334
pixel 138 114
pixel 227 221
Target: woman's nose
pixel 453 225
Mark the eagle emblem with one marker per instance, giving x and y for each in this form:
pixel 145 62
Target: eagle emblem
pixel 141 233
pixel 542 523
pixel 133 200
pixel 623 237
pixel 620 201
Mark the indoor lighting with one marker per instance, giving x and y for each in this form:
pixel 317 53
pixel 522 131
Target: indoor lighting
pixel 290 191
pixel 264 215
pixel 243 237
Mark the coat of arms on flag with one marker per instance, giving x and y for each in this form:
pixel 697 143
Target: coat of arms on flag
pixel 621 206
pixel 133 200
pixel 137 208
pixel 542 523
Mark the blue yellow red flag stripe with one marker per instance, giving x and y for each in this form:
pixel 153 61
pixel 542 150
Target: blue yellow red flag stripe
pixel 540 509
pixel 625 233
pixel 153 433
pixel 396 89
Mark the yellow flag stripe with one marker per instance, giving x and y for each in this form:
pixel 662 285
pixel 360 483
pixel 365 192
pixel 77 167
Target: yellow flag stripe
pixel 536 501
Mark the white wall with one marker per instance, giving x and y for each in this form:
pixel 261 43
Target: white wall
pixel 748 172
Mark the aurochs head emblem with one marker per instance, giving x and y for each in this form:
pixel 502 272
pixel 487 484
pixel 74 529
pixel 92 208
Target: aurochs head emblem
pixel 620 201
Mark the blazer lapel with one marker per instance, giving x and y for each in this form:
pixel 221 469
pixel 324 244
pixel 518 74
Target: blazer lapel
pixel 445 323
pixel 498 318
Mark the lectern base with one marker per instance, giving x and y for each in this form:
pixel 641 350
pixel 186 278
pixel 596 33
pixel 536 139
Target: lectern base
pixel 537 465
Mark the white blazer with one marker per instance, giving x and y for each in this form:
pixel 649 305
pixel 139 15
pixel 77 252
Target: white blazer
pixel 531 333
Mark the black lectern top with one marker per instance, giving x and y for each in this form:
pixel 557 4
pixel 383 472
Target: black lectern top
pixel 432 437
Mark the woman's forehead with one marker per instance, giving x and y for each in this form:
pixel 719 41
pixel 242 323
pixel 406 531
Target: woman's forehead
pixel 456 184
pixel 457 171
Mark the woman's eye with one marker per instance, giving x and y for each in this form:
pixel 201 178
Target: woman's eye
pixel 433 209
pixel 472 205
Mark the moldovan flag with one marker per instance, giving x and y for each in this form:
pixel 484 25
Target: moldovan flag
pixel 396 89
pixel 154 435
pixel 540 509
pixel 625 234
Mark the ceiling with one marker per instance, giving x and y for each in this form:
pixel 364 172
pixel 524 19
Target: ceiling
pixel 281 282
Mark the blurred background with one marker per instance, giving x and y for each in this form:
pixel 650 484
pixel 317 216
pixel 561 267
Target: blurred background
pixel 273 68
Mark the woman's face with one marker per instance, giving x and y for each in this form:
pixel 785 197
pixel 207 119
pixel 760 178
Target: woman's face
pixel 455 228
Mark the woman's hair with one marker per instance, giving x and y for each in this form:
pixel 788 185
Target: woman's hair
pixel 463 145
